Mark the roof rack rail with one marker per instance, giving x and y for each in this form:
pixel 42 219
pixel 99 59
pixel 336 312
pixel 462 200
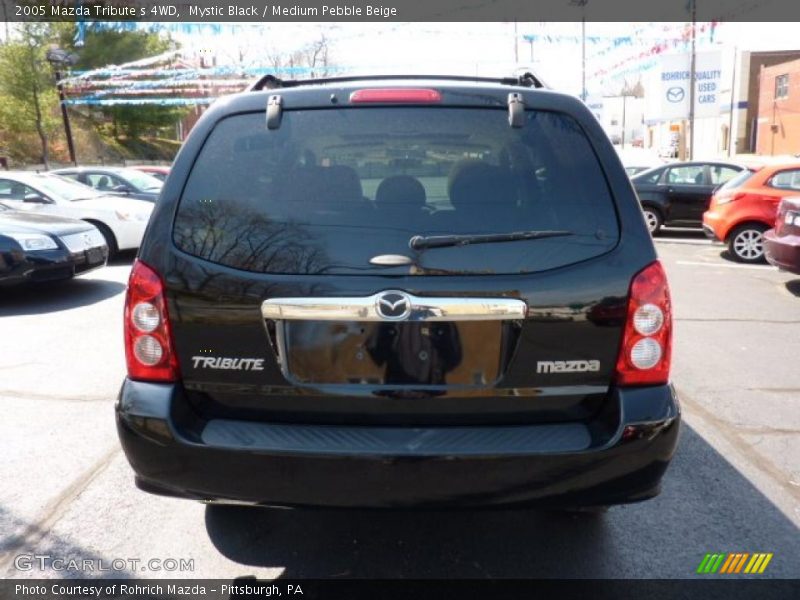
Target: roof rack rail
pixel 270 82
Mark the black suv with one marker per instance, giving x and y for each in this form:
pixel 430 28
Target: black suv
pixel 396 291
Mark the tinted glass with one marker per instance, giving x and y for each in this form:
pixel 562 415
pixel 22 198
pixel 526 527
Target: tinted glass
pixel 103 182
pixel 14 190
pixel 61 188
pixel 738 180
pixel 331 189
pixel 720 174
pixel 786 180
pixel 689 175
pixel 142 181
pixel 650 177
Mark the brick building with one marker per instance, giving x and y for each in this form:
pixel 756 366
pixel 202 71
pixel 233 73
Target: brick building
pixel 778 125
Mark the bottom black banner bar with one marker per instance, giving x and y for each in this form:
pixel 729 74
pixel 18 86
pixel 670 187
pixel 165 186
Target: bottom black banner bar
pixel 253 589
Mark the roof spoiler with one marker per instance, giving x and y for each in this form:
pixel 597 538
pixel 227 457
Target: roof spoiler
pixel 271 82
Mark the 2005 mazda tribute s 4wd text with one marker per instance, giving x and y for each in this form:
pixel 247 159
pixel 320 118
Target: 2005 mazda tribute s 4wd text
pixel 392 292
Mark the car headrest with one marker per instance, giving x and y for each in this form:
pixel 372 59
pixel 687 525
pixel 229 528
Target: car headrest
pixel 343 183
pixel 474 182
pixel 400 191
pixel 103 183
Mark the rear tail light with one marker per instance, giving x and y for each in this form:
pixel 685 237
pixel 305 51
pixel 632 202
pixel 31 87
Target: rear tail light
pixel 149 352
pixel 398 95
pixel 644 357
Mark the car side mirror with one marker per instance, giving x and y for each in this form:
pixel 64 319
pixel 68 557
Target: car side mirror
pixel 36 199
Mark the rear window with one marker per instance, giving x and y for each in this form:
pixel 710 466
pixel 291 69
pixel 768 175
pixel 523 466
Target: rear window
pixel 738 180
pixel 331 189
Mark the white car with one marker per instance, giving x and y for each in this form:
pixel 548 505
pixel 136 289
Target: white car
pixel 122 221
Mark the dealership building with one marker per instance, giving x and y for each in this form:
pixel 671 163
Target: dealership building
pixel 745 102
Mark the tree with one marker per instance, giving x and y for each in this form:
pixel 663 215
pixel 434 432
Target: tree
pixel 314 57
pixel 107 46
pixel 27 87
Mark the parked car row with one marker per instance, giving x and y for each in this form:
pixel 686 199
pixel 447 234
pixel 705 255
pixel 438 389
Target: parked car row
pixel 752 208
pixel 59 224
pixel 133 183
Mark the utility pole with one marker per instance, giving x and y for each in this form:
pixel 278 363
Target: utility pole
pixel 692 78
pixel 58 58
pixel 731 141
pixel 582 4
pixel 516 45
pixel 65 116
pixel 624 98
pixel 583 56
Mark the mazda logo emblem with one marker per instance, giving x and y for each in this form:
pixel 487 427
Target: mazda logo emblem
pixel 393 306
pixel 676 94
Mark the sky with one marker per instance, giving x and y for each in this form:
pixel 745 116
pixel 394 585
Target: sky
pixel 486 49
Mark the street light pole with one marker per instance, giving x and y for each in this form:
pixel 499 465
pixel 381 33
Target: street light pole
pixel 624 98
pixel 65 116
pixel 582 4
pixel 57 59
pixel 583 55
pixel 692 78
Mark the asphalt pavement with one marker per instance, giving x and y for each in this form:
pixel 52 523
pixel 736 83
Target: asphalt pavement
pixel 734 486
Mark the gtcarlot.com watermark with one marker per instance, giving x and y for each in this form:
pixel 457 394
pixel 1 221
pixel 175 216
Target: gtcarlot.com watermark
pixel 46 562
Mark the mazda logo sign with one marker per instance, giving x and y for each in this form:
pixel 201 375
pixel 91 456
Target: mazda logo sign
pixel 393 306
pixel 676 94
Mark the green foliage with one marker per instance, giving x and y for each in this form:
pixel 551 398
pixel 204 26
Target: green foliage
pixel 104 47
pixel 28 99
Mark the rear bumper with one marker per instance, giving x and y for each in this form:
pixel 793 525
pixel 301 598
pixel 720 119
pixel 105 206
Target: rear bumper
pixel 713 223
pixel 710 233
pixel 618 458
pixel 783 251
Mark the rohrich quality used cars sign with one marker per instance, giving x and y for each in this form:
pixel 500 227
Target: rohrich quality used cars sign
pixel 675 85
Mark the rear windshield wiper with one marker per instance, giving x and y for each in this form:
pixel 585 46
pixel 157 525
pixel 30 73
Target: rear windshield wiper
pixel 420 242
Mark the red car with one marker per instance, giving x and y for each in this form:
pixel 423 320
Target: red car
pixel 745 207
pixel 782 244
pixel 155 170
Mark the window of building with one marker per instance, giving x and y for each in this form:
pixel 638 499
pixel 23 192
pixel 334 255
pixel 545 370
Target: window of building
pixel 782 86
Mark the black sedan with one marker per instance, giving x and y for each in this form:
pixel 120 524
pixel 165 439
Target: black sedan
pixel 116 180
pixel 679 193
pixel 37 247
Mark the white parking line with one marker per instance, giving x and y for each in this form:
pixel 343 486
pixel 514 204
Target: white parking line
pixel 690 241
pixel 708 264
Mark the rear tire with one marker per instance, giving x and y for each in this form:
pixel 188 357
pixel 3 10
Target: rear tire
pixel 653 219
pixel 746 243
pixel 108 235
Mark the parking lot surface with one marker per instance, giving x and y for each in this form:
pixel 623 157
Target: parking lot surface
pixel 734 485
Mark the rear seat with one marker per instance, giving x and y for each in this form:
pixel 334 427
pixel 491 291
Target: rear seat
pixel 471 184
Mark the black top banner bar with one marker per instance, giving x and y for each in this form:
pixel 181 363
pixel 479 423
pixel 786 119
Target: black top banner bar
pixel 271 11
